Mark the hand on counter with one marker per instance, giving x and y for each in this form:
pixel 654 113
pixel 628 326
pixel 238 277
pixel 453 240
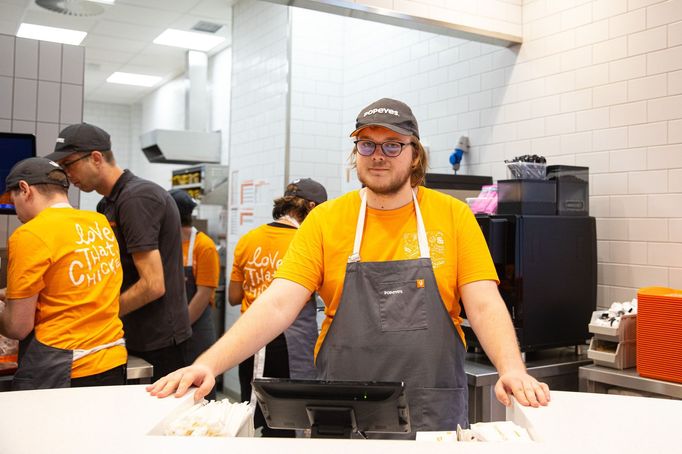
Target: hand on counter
pixel 526 389
pixel 179 382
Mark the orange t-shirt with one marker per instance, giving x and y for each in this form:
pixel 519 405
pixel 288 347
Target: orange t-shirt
pixel 257 256
pixel 318 255
pixel 70 259
pixel 205 262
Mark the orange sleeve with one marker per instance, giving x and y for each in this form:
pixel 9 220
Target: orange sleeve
pixel 208 266
pixel 29 260
pixel 303 262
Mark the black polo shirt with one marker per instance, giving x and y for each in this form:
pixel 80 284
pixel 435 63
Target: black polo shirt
pixel 145 217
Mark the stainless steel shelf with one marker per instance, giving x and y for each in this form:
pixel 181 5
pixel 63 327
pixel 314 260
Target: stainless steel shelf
pixel 595 378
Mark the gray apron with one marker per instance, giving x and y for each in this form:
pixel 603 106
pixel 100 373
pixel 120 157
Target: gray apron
pixel 203 332
pixel 41 366
pixel 391 325
pixel 301 337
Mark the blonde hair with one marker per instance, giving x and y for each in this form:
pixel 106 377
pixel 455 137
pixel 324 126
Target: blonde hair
pixel 420 162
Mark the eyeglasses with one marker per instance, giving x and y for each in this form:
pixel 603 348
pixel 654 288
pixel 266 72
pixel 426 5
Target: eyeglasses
pixel 66 165
pixel 391 148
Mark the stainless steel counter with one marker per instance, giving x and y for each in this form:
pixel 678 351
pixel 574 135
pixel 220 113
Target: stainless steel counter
pixel 598 379
pixel 557 367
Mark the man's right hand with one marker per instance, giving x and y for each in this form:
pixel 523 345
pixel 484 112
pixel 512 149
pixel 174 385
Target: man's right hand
pixel 179 382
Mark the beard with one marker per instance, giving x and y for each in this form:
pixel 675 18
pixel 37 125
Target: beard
pixel 384 186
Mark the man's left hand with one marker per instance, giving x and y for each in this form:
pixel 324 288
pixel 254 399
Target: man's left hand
pixel 526 389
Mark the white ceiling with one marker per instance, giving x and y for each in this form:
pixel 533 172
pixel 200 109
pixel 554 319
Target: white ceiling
pixel 121 38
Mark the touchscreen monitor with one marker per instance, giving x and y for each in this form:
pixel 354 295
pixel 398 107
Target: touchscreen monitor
pixel 13 148
pixel 333 409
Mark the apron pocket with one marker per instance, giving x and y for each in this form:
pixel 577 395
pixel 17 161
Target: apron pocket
pixel 441 409
pixel 401 306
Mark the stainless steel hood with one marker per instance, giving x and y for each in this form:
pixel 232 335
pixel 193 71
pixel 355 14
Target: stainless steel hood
pixel 181 147
pixel 193 145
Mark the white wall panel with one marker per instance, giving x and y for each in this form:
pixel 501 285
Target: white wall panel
pixel 48 101
pixel 73 61
pixel 26 58
pixel 25 99
pixel 50 61
pixel 7 58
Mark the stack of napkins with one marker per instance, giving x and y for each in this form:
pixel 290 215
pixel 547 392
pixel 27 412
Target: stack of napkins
pixel 214 419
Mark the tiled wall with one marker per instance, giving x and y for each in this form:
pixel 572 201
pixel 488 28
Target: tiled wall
pixel 257 113
pixel 317 98
pixel 596 83
pixel 41 91
pixel 259 102
pixel 117 120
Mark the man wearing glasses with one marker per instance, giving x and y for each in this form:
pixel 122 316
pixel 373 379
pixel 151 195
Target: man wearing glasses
pixel 146 222
pixel 392 261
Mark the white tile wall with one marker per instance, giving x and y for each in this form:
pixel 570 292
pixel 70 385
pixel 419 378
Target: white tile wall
pixel 31 96
pixel 258 112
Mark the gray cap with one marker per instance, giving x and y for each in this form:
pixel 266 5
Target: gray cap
pixel 35 171
pixel 80 137
pixel 388 113
pixel 309 189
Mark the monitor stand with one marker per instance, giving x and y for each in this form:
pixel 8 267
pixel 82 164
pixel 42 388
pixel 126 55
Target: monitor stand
pixel 331 422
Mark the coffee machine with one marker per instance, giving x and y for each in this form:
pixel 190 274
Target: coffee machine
pixel 547 266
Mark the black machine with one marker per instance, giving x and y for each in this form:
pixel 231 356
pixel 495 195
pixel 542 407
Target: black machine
pixel 547 266
pixel 333 409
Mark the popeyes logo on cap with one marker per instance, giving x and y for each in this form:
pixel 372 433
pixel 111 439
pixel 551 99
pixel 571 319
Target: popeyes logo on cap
pixel 382 110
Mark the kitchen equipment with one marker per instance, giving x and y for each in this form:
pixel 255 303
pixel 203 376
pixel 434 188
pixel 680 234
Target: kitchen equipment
pixel 572 189
pixel 547 266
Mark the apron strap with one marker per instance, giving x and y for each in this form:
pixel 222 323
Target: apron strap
pixel 80 353
pixel 190 248
pixel 258 367
pixel 424 251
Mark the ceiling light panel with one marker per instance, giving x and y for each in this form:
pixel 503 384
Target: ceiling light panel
pixel 140 80
pixel 188 40
pixel 53 34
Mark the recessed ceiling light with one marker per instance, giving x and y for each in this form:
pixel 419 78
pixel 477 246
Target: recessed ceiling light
pixel 106 2
pixel 141 80
pixel 188 40
pixel 53 34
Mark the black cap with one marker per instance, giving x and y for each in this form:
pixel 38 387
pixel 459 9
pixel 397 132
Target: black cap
pixel 35 171
pixel 389 113
pixel 80 137
pixel 185 203
pixel 309 189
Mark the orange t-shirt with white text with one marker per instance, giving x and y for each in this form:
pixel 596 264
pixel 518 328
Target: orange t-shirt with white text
pixel 70 259
pixel 257 256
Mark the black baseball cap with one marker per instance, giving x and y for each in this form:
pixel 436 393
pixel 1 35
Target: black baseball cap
pixel 80 137
pixel 388 113
pixel 185 203
pixel 309 189
pixel 35 171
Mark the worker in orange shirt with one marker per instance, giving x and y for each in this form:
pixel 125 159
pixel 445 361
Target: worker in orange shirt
pixel 63 284
pixel 257 256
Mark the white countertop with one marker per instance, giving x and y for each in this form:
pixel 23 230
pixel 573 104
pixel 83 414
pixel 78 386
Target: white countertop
pixel 118 419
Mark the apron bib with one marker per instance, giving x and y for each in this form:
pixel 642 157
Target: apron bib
pixel 391 325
